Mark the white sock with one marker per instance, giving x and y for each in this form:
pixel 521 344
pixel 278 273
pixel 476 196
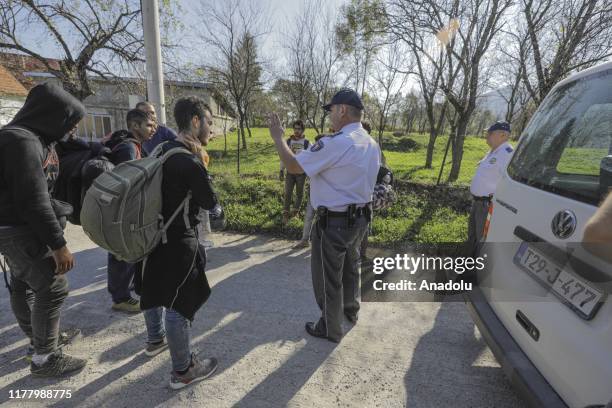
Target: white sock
pixel 40 359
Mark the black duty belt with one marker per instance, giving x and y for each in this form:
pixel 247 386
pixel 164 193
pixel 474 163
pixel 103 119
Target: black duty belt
pixel 486 198
pixel 350 215
pixel 359 212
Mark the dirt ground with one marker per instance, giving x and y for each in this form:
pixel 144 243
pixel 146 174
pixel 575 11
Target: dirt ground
pixel 421 354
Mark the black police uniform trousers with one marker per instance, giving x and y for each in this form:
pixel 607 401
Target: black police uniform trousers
pixel 335 273
pixel 476 223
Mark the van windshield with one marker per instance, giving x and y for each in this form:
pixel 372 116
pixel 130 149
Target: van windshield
pixel 567 147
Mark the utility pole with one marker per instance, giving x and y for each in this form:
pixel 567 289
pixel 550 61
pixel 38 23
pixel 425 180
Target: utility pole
pixel 155 74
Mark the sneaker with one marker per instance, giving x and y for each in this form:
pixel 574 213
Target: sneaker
pixel 29 353
pixel 198 370
pixel 207 244
pixel 129 306
pixel 154 349
pixel 65 337
pixel 57 365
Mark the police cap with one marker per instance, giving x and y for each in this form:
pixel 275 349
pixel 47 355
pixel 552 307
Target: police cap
pixel 500 126
pixel 345 97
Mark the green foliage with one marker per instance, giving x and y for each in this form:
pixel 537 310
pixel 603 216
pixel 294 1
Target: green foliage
pixel 253 202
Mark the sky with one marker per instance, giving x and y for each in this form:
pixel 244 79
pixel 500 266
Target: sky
pixel 279 12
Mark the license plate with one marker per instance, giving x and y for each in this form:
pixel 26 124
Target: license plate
pixel 576 293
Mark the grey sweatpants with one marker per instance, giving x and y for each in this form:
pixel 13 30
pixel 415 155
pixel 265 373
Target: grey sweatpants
pixel 37 293
pixel 335 272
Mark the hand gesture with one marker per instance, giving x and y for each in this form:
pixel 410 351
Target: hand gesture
pixel 276 128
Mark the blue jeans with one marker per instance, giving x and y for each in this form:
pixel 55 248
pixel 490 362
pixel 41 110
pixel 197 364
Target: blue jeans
pixel 177 329
pixel 120 276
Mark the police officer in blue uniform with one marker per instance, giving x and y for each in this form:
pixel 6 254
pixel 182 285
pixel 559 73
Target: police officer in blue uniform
pixel 488 173
pixel 342 169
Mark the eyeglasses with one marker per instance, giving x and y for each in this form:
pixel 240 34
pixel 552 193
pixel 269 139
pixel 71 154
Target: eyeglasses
pixel 298 128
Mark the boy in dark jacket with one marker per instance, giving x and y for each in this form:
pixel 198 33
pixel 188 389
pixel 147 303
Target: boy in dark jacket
pixel 126 146
pixel 31 237
pixel 173 279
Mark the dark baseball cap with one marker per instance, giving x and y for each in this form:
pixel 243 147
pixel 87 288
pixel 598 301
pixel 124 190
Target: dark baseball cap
pixel 345 97
pixel 500 126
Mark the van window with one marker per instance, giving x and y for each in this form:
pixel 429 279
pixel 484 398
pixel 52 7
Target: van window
pixel 567 147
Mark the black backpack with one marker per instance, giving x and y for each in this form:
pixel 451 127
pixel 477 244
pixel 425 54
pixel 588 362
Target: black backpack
pixel 80 163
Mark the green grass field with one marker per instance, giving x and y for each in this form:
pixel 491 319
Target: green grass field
pixel 253 200
pixel 261 158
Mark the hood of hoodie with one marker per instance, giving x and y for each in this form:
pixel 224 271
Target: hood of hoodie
pixel 50 112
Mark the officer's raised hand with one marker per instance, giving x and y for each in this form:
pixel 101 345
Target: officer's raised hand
pixel 276 128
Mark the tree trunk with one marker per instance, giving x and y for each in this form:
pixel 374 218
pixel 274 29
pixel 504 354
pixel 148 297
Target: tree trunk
pixel 238 152
pixel 430 147
pixel 458 142
pixel 225 137
pixel 239 133
pixel 322 125
pixel 242 132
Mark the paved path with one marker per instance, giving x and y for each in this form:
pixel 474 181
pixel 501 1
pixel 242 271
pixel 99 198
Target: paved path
pixel 400 354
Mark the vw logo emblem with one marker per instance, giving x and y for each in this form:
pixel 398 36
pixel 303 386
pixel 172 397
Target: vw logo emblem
pixel 563 224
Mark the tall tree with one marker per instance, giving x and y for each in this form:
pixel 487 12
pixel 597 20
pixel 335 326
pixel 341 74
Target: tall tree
pixel 430 63
pixel 387 81
pixel 359 34
pixel 309 72
pixel 94 36
pixel 564 36
pixel 464 29
pixel 233 64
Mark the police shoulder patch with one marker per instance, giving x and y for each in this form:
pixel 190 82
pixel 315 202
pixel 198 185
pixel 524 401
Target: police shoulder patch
pixel 493 160
pixel 318 145
pixel 509 149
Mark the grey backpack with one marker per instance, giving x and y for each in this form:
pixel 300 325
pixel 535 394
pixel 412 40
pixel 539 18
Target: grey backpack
pixel 122 210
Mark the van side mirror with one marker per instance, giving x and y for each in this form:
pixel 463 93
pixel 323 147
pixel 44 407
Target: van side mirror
pixel 605 176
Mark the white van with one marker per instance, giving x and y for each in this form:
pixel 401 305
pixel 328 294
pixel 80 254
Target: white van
pixel 543 304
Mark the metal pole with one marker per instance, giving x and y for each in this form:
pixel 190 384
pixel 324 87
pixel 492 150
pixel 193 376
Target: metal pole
pixel 155 74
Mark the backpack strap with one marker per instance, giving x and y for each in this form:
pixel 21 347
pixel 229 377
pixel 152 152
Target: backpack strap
pixel 185 204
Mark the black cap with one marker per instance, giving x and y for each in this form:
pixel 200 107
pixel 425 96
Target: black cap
pixel 345 97
pixel 500 126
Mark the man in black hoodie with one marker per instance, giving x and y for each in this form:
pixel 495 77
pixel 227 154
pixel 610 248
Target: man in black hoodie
pixel 31 237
